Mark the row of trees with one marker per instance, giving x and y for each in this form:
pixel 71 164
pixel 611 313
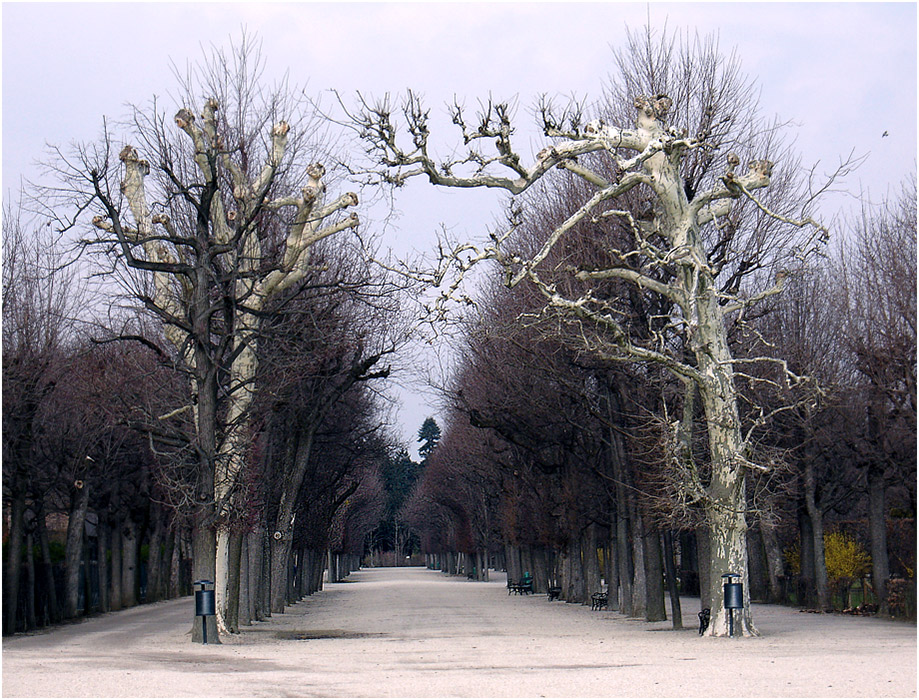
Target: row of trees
pixel 658 363
pixel 669 356
pixel 224 393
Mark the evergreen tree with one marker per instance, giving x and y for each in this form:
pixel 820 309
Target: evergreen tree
pixel 428 436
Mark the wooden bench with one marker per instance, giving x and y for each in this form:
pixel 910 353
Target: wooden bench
pixel 599 601
pixel 555 593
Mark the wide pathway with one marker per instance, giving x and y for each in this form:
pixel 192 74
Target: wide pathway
pixel 417 633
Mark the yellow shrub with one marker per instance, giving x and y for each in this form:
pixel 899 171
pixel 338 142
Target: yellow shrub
pixel 845 557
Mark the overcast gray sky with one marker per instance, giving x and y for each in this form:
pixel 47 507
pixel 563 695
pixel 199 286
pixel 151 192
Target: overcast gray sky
pixel 844 72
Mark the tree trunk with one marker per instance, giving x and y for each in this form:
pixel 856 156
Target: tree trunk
pixel 204 542
pixel 592 560
pixel 612 564
pixel 540 570
pixel 877 524
pixel 30 582
pixel 103 535
pixel 204 519
pixel 235 562
pixel 775 567
pixel 74 548
pixel 816 518
pixel 672 588
pixel 129 552
pixel 623 552
pixel 88 578
pixel 280 564
pixel 155 557
pixel 704 558
pixel 12 570
pixel 725 506
pixel 639 573
pixel 579 591
pixel 728 551
pixel 246 588
pixel 655 609
pixel 759 589
pixel 53 614
pixel 689 564
pixel 115 581
pixel 807 586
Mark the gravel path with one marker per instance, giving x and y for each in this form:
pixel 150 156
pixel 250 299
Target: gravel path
pixel 417 633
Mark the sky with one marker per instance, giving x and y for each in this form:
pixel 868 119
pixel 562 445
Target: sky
pixel 845 73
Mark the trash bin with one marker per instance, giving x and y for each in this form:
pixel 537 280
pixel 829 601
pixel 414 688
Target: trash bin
pixel 205 604
pixel 733 597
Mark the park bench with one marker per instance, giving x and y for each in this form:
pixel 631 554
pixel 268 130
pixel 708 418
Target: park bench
pixel 555 593
pixel 599 601
pixel 522 587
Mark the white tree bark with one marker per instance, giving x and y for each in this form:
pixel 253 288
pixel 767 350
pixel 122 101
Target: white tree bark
pixel 151 245
pixel 649 154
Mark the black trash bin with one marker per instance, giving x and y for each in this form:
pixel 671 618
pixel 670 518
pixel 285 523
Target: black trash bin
pixel 205 604
pixel 733 597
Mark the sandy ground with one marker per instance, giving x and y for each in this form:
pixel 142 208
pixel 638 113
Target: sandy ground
pixel 418 633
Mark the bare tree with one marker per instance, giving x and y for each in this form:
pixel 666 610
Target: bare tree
pixel 878 270
pixel 219 217
pixel 42 298
pixel 681 249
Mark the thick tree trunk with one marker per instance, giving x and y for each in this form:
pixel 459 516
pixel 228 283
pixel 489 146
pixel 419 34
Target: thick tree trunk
pixel 73 551
pixel 235 561
pixel 540 570
pixel 204 534
pixel 726 503
pixel 704 558
pixel 280 565
pixel 655 610
pixel 204 542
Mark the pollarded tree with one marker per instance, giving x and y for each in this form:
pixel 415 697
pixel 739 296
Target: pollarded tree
pixel 682 247
pixel 212 215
